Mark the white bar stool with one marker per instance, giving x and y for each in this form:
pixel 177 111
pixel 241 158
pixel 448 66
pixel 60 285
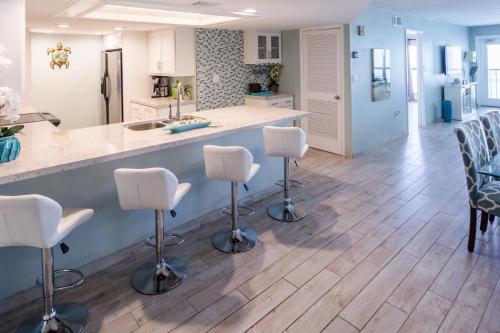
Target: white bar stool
pixel 158 189
pixel 38 221
pixel 286 142
pixel 234 164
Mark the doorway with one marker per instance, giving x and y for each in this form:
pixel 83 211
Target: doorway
pixel 414 80
pixel 489 71
pixel 322 88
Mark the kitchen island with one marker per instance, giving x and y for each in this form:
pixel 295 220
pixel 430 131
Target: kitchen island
pixel 75 168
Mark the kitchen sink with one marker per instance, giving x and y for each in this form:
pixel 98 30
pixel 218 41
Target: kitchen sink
pixel 154 124
pixel 145 126
pixel 183 118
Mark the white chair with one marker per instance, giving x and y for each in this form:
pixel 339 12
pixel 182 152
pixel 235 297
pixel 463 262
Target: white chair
pixel 158 189
pixel 38 221
pixel 234 164
pixel 286 142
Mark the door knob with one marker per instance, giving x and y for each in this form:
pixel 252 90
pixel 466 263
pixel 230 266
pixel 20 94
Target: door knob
pixel 337 97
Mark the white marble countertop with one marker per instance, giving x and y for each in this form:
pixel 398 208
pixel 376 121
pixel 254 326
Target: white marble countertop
pixel 46 149
pixel 267 97
pixel 159 102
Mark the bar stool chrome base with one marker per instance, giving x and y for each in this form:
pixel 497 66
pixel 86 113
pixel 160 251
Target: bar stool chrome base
pixel 157 279
pixel 69 318
pixel 282 213
pixel 286 211
pixel 242 211
pixel 241 240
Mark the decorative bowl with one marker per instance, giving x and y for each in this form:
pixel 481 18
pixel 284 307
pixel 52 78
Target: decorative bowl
pixel 9 149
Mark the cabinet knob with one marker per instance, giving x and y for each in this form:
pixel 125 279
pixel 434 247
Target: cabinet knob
pixel 337 97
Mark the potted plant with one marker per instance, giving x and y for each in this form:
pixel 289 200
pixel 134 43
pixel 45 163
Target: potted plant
pixel 274 77
pixel 9 144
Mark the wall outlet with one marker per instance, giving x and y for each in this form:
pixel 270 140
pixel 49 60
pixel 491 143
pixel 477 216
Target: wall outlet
pixel 216 78
pixel 397 114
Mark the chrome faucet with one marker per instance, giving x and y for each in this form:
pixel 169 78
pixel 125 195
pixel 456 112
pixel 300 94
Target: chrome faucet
pixel 180 94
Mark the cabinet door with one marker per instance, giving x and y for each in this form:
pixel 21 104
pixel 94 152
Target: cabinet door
pixel 262 48
pixel 137 112
pixel 167 60
pixel 287 102
pixel 274 103
pixel 188 108
pixel 149 113
pixel 274 48
pixel 154 52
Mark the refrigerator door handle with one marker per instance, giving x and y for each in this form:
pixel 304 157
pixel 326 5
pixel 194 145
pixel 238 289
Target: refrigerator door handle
pixel 107 85
pixel 103 86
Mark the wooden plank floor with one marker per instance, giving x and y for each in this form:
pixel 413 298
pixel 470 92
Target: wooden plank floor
pixel 383 249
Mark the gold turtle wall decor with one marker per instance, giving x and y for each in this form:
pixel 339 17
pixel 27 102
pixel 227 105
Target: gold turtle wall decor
pixel 59 56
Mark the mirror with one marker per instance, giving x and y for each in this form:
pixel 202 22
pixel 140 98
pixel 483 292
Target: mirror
pixel 381 74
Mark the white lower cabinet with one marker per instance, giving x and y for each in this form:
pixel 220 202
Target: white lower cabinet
pixel 137 112
pixel 142 112
pixel 276 102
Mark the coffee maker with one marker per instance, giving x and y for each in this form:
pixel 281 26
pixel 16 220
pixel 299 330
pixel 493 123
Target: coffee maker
pixel 160 86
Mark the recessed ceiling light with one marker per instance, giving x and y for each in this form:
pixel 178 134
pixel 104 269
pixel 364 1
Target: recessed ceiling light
pixel 250 11
pixel 64 26
pixel 162 16
pixel 42 31
pixel 118 28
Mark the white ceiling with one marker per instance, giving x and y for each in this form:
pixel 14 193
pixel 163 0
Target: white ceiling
pixel 272 15
pixel 461 12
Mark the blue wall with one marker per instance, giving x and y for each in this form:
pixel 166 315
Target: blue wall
pixel 487 30
pixel 376 122
pixel 112 229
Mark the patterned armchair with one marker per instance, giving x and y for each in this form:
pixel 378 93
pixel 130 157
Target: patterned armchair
pixel 484 194
pixel 491 126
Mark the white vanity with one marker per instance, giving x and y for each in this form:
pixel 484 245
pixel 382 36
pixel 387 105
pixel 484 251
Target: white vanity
pixel 463 99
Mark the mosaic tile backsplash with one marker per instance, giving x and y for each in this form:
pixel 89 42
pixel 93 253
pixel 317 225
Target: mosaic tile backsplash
pixel 220 52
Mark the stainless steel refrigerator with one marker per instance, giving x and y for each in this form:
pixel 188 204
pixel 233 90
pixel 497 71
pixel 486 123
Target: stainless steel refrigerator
pixel 111 86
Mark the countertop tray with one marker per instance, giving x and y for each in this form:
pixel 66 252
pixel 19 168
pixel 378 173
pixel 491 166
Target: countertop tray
pixel 187 127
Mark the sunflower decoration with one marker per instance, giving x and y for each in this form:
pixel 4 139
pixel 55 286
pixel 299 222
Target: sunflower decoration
pixel 274 77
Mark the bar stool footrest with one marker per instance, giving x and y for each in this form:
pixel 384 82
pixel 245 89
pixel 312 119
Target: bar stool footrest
pixel 169 239
pixel 242 211
pixel 60 272
pixel 293 183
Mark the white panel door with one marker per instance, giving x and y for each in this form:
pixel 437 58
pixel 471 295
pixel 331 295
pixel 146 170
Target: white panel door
pixel 322 88
pixel 489 71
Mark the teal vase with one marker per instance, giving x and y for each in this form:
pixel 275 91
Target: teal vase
pixel 9 149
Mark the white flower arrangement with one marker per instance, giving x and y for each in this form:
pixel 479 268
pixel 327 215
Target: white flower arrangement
pixel 9 100
pixel 4 62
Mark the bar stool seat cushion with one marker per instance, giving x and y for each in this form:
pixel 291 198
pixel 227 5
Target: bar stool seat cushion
pixel 285 141
pixel 38 221
pixel 151 188
pixel 231 163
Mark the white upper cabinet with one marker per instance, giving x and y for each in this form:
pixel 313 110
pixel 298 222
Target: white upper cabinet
pixel 172 52
pixel 262 47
